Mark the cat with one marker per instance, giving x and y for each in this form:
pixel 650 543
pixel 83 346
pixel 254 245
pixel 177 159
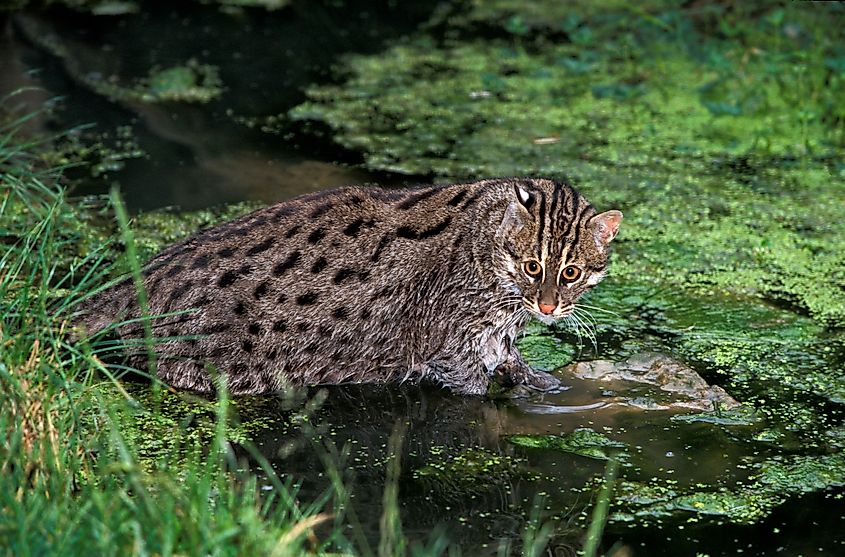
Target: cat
pixel 359 285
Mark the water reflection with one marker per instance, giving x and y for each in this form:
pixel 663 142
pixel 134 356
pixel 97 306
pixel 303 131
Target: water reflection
pixel 201 155
pixel 460 472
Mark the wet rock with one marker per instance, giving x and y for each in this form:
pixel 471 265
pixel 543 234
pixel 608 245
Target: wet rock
pixel 671 376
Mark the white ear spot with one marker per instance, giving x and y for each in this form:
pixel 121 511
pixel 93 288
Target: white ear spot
pixel 596 278
pixel 511 221
pixel 525 198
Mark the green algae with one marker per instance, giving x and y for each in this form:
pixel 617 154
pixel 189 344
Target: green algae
pixel 158 229
pixel 479 107
pixel 543 350
pixel 470 469
pixel 740 416
pixel 774 481
pixel 582 442
pixel 165 424
pixel 189 83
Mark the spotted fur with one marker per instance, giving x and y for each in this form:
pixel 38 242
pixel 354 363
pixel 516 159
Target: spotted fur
pixel 367 285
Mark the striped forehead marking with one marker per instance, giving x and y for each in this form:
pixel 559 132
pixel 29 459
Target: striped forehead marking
pixel 541 229
pixel 565 198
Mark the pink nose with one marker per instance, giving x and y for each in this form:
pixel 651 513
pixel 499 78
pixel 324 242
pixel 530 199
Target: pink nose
pixel 547 309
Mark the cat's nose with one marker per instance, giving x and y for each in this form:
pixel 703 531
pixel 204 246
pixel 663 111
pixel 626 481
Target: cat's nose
pixel 547 309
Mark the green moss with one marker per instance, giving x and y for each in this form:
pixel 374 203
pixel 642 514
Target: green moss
pixel 543 350
pixel 775 481
pixel 190 82
pixel 169 425
pixel 469 470
pixel 425 107
pixel 582 442
pixel 158 229
pixel 742 415
pixel 801 474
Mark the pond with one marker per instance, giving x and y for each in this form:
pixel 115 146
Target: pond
pixel 723 148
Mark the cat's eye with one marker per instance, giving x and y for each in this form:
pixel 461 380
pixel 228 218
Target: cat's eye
pixel 532 268
pixel 570 273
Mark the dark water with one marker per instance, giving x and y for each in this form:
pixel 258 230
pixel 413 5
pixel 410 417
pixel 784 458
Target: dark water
pixel 199 156
pixel 486 512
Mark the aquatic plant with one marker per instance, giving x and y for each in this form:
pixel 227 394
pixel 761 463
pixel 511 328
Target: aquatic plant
pixel 583 442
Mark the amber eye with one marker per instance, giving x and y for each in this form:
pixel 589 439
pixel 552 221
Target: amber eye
pixel 570 273
pixel 532 268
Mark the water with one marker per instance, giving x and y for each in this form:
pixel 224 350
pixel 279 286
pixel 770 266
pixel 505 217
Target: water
pixel 486 507
pixel 198 156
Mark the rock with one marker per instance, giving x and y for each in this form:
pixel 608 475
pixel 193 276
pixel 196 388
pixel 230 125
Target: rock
pixel 670 375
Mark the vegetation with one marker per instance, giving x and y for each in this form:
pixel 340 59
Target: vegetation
pixel 73 481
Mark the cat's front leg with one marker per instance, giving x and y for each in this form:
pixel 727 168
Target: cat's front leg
pixel 461 375
pixel 516 371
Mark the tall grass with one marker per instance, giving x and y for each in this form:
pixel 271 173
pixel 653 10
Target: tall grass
pixel 600 510
pixel 71 482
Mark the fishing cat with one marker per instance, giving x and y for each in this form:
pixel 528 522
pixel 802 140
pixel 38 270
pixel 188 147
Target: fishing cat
pixel 360 285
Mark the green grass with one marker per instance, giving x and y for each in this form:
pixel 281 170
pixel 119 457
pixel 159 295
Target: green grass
pixel 71 481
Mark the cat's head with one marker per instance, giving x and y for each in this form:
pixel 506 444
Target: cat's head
pixel 552 246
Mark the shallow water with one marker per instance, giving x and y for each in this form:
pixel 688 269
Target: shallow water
pixel 197 156
pixel 460 471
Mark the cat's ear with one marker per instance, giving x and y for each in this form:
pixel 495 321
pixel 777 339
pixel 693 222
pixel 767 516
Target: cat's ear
pixel 516 215
pixel 513 220
pixel 525 197
pixel 604 227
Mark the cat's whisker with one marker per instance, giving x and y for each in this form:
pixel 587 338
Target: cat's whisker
pixel 505 304
pixel 585 315
pixel 572 323
pixel 588 331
